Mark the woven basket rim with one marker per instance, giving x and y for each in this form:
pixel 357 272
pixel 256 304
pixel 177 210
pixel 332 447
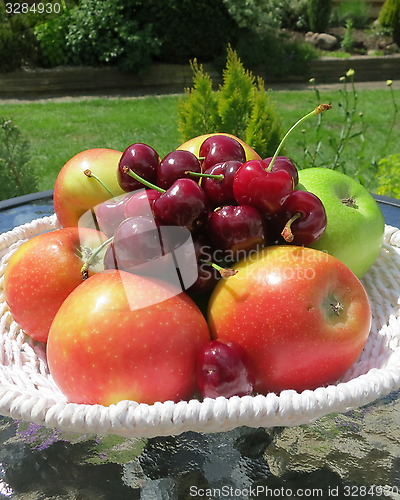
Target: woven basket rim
pixel 374 376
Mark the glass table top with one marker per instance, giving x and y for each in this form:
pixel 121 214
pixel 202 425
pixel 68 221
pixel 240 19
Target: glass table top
pixel 355 454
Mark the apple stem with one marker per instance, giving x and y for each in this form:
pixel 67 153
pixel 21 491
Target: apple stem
pixel 287 230
pixel 218 177
pixel 143 181
pixel 225 272
pixel 319 109
pixel 337 308
pixel 89 173
pixel 92 256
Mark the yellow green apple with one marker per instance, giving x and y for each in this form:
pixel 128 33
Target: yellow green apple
pixel 76 193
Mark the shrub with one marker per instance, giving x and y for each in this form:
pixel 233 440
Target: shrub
pixel 196 112
pixel 356 11
pixel 98 32
pixel 258 16
pixel 266 16
pixel 235 97
pixel 16 177
pixel 240 107
pixel 276 56
pixel 389 17
pixel 51 36
pixel 263 131
pixel 294 14
pixel 348 38
pixel 18 45
pixel 189 29
pixel 318 12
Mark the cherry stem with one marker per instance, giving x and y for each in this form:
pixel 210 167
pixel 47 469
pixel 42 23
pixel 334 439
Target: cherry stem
pixel 143 181
pixel 287 230
pixel 225 272
pixel 89 173
pixel 218 177
pixel 93 255
pixel 319 109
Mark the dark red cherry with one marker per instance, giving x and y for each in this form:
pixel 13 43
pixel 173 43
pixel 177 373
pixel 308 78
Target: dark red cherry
pixel 273 225
pixel 266 191
pixel 141 203
pixel 174 166
pixel 219 148
pixel 220 191
pixel 236 231
pixel 207 276
pixel 143 160
pixel 223 370
pixel 284 163
pixel 183 204
pixel 303 218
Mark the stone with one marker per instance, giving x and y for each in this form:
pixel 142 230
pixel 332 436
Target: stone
pixel 322 41
pixel 311 37
pixel 326 42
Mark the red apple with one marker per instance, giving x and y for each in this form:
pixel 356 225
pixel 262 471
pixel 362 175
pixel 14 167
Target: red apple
pixel 75 194
pixel 193 145
pixel 120 336
pixel 300 314
pixel 41 274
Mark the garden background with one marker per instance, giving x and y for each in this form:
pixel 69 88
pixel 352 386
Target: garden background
pixel 359 136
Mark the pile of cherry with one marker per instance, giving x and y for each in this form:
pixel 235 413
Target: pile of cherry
pixel 231 207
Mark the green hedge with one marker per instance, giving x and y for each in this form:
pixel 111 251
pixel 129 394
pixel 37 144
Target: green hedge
pixel 389 17
pixel 18 46
pixel 132 34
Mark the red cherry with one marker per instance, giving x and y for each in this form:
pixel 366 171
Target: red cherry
pixel 236 230
pixel 219 148
pixel 303 218
pixel 223 370
pixel 220 191
pixel 143 160
pixel 267 191
pixel 207 276
pixel 183 204
pixel 174 166
pixel 284 163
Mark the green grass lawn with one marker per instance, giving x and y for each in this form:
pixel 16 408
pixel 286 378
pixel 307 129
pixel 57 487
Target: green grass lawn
pixel 58 130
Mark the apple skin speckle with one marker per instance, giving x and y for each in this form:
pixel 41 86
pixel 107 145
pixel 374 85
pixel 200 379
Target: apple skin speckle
pixel 147 354
pixel 42 273
pixel 294 337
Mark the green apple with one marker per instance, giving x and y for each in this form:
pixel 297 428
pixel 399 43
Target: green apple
pixel 355 223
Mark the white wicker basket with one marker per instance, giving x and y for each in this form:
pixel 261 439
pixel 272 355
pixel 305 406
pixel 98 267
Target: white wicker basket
pixel 28 393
